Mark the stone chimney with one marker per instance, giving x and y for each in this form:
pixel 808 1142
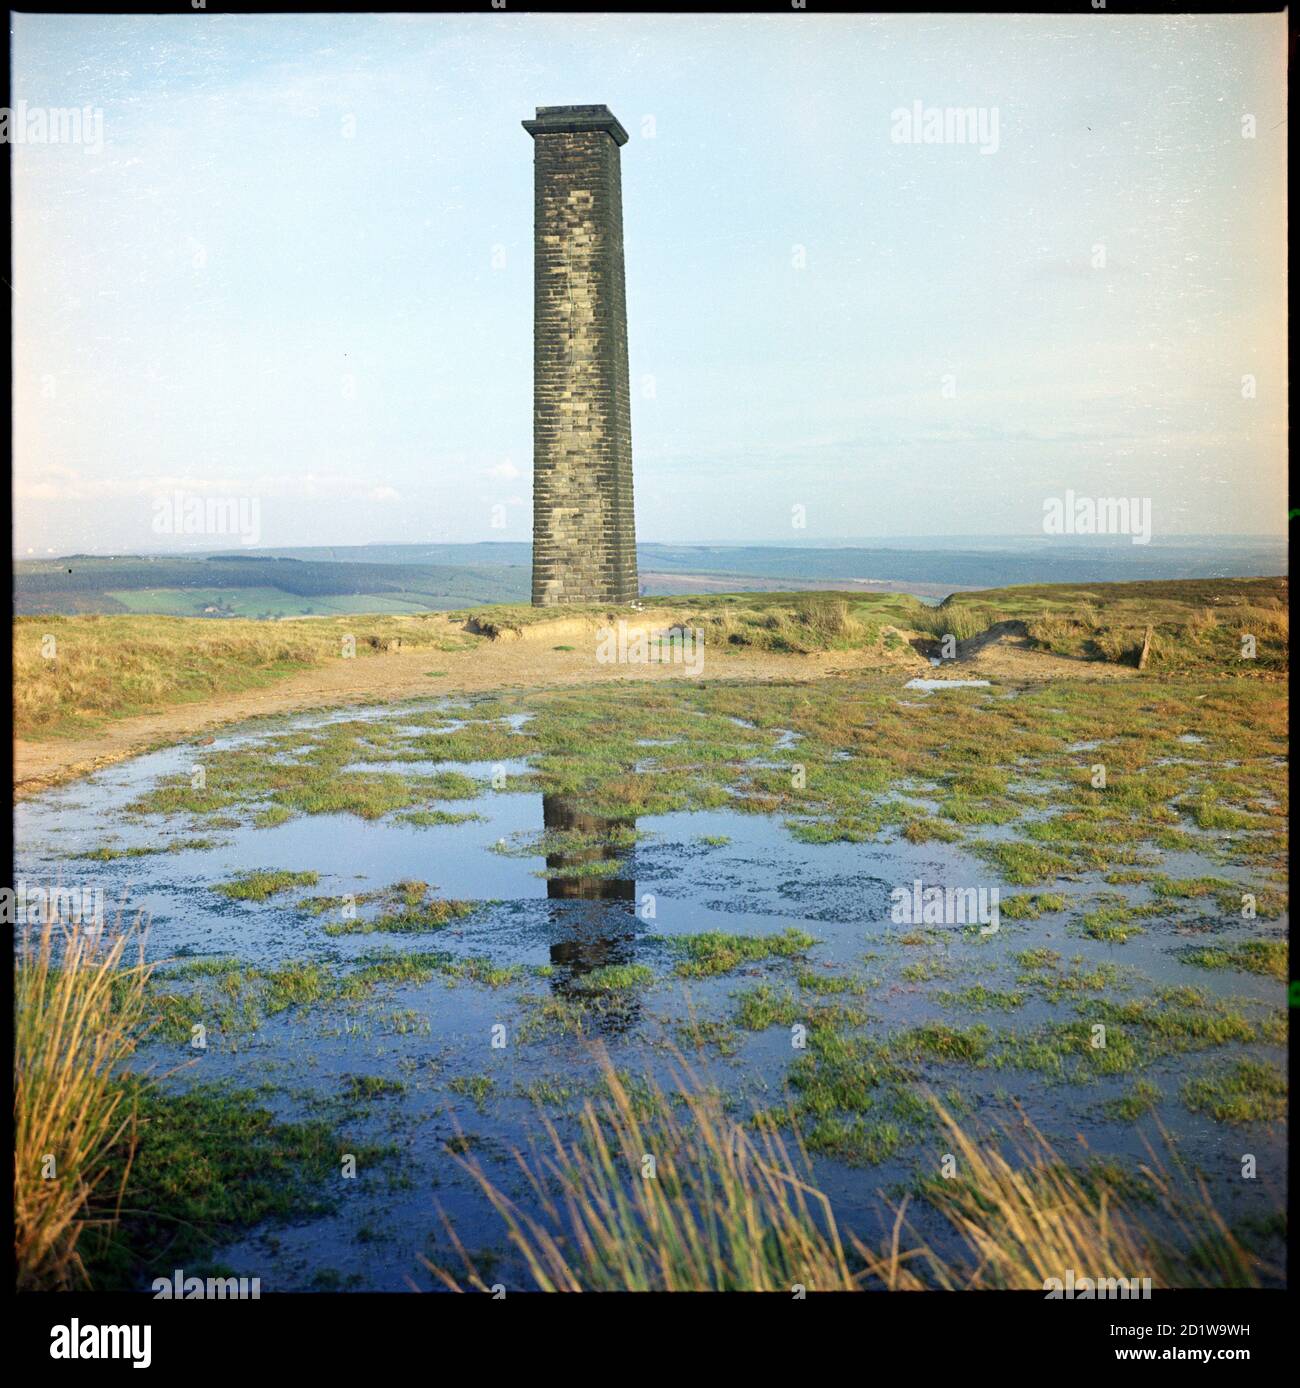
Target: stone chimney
pixel 584 535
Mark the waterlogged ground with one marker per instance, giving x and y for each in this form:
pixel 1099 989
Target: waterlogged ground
pixel 404 933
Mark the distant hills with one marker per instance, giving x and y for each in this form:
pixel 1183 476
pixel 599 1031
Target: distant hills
pixel 323 580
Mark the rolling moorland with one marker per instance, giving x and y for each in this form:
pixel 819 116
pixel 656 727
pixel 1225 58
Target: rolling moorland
pixel 673 895
pixel 274 583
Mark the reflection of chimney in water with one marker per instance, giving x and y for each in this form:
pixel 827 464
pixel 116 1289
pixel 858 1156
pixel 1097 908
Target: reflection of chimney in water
pixel 562 815
pixel 603 932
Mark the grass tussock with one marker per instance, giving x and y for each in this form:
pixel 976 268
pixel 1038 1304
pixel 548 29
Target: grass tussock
pixel 803 625
pixel 1028 1218
pixel 950 618
pixel 729 1205
pixel 79 1012
pixel 1241 629
pixel 726 1209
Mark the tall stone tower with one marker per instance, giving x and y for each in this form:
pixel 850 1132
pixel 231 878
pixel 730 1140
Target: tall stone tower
pixel 584 540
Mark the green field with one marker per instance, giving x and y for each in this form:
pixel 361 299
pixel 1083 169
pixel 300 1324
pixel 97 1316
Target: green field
pixel 255 602
pixel 254 586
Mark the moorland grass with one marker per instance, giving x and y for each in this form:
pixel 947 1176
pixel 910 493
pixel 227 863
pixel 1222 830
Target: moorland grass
pixel 1248 1091
pixel 733 1207
pixel 1267 957
pixel 101 667
pixel 79 1013
pixel 262 883
pixel 715 952
pixel 73 673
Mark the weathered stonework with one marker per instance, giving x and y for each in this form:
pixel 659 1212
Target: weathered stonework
pixel 584 538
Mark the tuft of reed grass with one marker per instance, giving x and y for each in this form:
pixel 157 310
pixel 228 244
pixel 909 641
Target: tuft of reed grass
pixel 79 1012
pixel 727 1208
pixel 829 618
pixel 732 1206
pixel 955 619
pixel 1030 1217
pixel 808 623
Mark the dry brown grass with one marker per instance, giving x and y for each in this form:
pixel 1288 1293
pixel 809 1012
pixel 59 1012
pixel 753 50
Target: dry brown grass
pixel 731 1206
pixel 1271 623
pixel 1200 622
pixel 1120 644
pixel 1029 1217
pixel 951 619
pixel 70 672
pixel 726 1209
pixel 78 1015
pixel 807 624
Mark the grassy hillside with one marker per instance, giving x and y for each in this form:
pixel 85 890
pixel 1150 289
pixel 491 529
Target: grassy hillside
pixel 114 666
pixel 257 603
pixel 72 672
pixel 255 586
pixel 380 578
pixel 1198 623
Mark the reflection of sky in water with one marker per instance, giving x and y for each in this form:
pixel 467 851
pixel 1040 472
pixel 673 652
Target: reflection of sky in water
pixel 762 881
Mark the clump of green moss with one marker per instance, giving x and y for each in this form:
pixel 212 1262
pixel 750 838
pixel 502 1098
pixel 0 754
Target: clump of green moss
pixel 714 952
pixel 925 970
pixel 1250 1091
pixel 371 1086
pixel 978 998
pixel 701 1033
pixel 942 1041
pixel 855 1140
pixel 413 919
pixel 613 978
pixel 1140 1100
pixel 1029 906
pixel 1267 957
pixel 832 983
pixel 430 818
pixel 480 970
pixel 1113 924
pixel 1024 864
pixel 763 1006
pixel 1046 970
pixel 207 1165
pixel 478 1088
pixel 264 883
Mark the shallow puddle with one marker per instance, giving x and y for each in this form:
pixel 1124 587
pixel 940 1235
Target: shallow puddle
pixel 564 900
pixel 930 685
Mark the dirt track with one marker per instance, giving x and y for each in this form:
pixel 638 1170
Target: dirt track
pixel 529 662
pixel 489 666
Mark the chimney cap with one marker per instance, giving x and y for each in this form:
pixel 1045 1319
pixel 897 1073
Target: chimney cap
pixel 554 120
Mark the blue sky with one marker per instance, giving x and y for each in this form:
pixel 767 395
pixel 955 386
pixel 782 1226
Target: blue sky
pixel 299 269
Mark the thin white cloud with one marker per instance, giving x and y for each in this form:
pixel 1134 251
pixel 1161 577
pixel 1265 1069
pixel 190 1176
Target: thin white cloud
pixel 66 484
